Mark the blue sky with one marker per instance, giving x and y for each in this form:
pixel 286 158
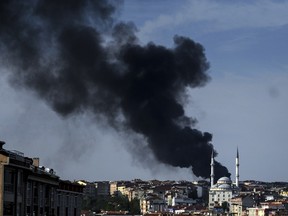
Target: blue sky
pixel 245 103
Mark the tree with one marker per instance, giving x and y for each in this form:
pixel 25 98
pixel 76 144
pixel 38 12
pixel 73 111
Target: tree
pixel 225 206
pixel 134 206
pixel 118 203
pixel 193 194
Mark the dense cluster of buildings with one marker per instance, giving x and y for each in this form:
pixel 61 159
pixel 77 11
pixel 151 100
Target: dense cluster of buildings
pixel 224 197
pixel 26 188
pixel 192 198
pixel 153 195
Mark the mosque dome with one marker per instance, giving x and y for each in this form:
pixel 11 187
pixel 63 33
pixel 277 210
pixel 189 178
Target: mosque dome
pixel 224 180
pixel 224 186
pixel 223 183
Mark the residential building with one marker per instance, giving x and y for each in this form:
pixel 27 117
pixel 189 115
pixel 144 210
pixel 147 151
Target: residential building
pixel 113 188
pixel 182 201
pixel 102 188
pixel 136 193
pixel 152 203
pixel 241 203
pixel 269 208
pixel 68 198
pixel 122 190
pixel 32 190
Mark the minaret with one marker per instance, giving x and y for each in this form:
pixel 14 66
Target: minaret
pixel 237 169
pixel 212 169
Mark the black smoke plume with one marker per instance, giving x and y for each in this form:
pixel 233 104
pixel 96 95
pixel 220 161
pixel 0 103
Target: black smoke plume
pixel 77 57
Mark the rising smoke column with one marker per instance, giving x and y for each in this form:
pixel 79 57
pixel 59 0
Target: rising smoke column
pixel 78 58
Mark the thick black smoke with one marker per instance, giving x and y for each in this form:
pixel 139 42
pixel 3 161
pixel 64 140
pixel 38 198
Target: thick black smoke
pixel 76 57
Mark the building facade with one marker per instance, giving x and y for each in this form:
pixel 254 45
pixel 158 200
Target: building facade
pixel 152 204
pixel 239 204
pixel 102 188
pixel 68 199
pixel 28 189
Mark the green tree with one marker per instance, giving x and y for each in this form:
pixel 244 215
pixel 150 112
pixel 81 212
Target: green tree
pixel 118 203
pixel 134 206
pixel 225 206
pixel 193 194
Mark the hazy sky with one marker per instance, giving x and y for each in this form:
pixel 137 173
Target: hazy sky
pixel 244 105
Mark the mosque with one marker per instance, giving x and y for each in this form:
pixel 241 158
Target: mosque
pixel 224 189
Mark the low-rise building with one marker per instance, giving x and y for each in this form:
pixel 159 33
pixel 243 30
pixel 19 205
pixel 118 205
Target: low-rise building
pixel 113 188
pixel 241 203
pixel 268 208
pixel 182 201
pixel 102 188
pixel 68 198
pixel 152 203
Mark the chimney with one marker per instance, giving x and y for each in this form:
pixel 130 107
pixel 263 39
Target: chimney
pixel 36 162
pixel 1 144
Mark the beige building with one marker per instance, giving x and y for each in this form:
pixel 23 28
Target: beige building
pixel 122 190
pixel 113 188
pixel 268 208
pixel 256 211
pixel 135 193
pixel 240 204
pixel 152 204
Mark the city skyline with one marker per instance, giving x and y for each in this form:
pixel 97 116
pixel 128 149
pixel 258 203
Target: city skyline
pixel 244 104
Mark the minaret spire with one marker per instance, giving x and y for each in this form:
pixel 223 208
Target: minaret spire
pixel 237 168
pixel 212 168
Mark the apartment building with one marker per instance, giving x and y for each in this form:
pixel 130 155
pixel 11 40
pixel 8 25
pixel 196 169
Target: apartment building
pixel 68 198
pixel 29 189
pixel 102 188
pixel 113 188
pixel 241 203
pixel 152 203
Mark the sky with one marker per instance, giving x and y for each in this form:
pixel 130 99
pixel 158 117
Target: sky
pixel 244 105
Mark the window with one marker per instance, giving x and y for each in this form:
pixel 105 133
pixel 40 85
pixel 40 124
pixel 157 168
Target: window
pixel 67 200
pixel 76 200
pixel 59 200
pixel 8 208
pixel 9 180
pixel 20 182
